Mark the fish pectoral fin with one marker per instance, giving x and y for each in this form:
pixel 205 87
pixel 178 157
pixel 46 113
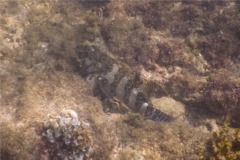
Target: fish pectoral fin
pixel 114 106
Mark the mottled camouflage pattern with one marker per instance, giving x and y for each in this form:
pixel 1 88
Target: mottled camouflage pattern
pixel 109 81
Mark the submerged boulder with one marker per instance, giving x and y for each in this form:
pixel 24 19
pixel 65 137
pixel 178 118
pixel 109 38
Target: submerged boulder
pixel 170 106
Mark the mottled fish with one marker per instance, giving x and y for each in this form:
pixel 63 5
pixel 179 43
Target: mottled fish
pixel 114 82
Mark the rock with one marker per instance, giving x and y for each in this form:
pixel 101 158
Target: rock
pixel 169 105
pixel 65 136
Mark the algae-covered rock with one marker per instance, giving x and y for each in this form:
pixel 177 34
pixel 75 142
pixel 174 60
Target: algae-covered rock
pixel 170 106
pixel 223 95
pixel 65 137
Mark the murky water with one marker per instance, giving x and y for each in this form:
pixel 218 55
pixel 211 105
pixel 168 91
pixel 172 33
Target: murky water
pixel 183 55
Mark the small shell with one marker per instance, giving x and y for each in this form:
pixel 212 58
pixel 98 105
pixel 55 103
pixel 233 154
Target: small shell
pixel 50 136
pixel 54 123
pixel 67 121
pixel 70 112
pixel 79 157
pixel 57 133
pixel 67 139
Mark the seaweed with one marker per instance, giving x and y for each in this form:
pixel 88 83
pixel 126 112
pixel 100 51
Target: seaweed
pixel 224 145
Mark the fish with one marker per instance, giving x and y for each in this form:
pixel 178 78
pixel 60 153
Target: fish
pixel 110 80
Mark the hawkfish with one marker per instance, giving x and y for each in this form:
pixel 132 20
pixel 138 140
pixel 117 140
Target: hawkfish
pixel 111 81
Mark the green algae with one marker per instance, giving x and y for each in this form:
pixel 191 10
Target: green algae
pixel 224 145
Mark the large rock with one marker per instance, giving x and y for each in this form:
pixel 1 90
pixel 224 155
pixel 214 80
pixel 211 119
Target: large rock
pixel 170 106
